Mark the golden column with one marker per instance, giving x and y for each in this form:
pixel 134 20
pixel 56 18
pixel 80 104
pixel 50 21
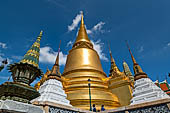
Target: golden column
pixel 83 63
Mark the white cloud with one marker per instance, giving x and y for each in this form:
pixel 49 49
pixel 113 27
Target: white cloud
pixel 141 49
pixel 96 28
pixel 98 47
pixel 75 23
pixel 47 55
pixel 3 45
pixel 167 46
pixel 70 43
pixel 89 31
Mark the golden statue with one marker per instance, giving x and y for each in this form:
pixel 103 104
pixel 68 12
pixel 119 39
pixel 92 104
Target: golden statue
pixel 83 63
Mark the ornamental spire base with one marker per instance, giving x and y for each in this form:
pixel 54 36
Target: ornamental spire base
pixel 23 74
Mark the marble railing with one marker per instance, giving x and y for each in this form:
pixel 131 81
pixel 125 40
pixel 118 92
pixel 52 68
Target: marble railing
pixel 159 106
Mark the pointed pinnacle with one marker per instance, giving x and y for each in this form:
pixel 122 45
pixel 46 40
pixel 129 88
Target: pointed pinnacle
pixel 133 59
pixel 40 35
pixel 41 32
pixel 47 68
pixel 111 58
pixel 57 59
pixel 82 20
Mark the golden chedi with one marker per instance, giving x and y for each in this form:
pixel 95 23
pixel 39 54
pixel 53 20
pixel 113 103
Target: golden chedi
pixel 120 84
pixel 83 63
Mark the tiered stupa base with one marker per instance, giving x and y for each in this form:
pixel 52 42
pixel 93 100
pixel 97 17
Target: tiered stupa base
pixel 98 98
pixel 146 91
pixel 52 91
pixel 77 90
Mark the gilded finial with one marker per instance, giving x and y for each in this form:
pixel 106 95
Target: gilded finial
pixel 55 70
pixel 114 71
pixel 48 69
pixel 82 34
pixel 41 32
pixel 57 59
pixel 133 59
pixel 111 58
pixel 82 20
pixel 136 68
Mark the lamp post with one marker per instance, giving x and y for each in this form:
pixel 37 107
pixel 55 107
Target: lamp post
pixel 89 94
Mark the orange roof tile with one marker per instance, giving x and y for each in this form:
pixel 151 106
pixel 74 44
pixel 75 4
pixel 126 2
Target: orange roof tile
pixel 164 86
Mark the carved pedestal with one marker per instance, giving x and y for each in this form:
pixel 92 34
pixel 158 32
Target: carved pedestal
pixel 17 92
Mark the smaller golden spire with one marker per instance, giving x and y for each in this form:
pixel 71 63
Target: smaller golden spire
pixel 133 59
pixel 47 69
pixel 137 69
pixel 114 71
pixel 55 70
pixel 111 58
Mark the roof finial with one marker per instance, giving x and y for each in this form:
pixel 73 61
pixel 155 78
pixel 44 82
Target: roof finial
pixel 82 34
pixel 56 70
pixel 41 32
pixel 47 69
pixel 57 59
pixel 82 20
pixel 133 59
pixel 111 58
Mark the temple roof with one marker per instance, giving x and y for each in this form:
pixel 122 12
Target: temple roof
pixel 164 86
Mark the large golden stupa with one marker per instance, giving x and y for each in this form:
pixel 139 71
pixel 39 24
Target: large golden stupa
pixel 83 63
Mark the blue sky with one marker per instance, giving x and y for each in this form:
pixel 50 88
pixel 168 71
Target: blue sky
pixel 145 24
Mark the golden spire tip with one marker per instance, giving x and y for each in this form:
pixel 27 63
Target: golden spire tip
pixel 41 32
pixel 82 20
pixel 133 59
pixel 112 59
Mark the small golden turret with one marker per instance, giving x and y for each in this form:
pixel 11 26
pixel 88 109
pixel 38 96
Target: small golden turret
pixel 137 69
pixel 83 63
pixel 119 82
pixel 55 72
pixel 114 70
